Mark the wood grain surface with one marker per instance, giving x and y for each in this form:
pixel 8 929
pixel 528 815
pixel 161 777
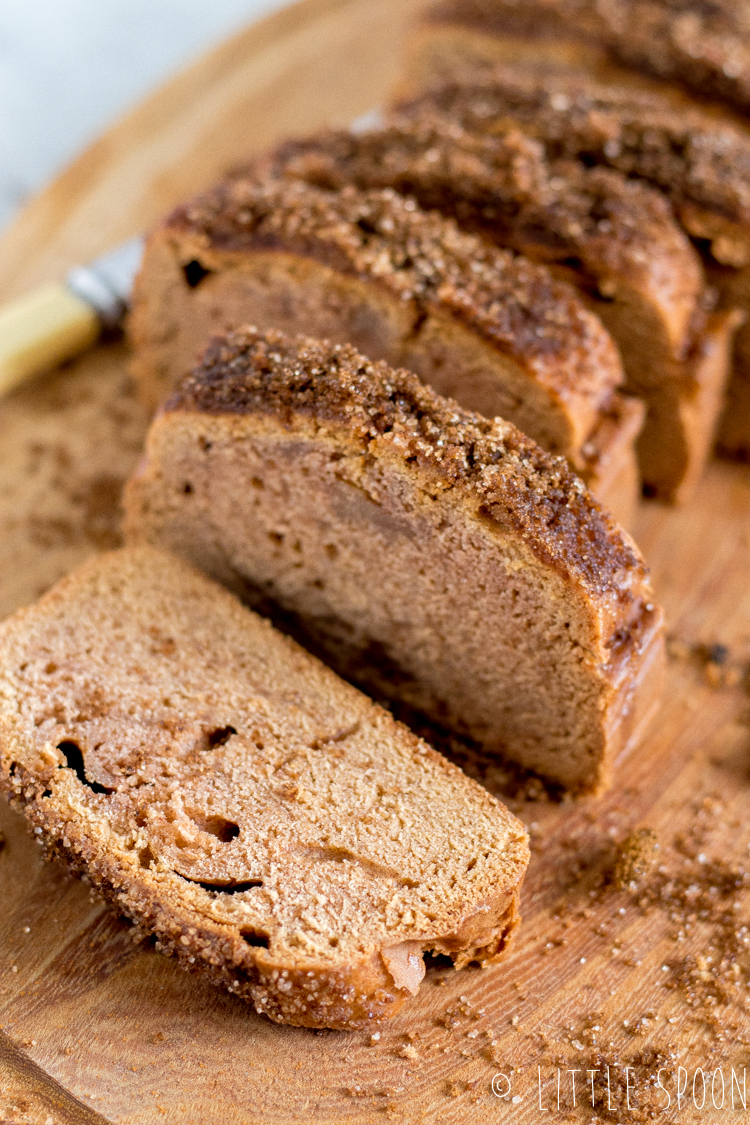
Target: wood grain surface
pixel 98 1027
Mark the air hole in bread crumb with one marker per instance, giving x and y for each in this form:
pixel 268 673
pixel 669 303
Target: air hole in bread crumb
pixel 333 942
pixel 146 857
pixel 218 826
pixel 219 736
pixel 437 962
pixel 187 488
pixel 74 759
pixel 50 668
pixel 223 888
pixel 194 273
pixel 252 937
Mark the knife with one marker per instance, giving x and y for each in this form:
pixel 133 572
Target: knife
pixel 62 319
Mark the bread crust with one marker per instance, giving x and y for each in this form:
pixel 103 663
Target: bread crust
pixel 486 475
pixel 251 371
pixel 661 129
pixel 424 259
pixel 73 670
pixel 637 134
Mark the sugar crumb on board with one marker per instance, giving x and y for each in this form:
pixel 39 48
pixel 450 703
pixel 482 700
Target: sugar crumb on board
pixel 634 859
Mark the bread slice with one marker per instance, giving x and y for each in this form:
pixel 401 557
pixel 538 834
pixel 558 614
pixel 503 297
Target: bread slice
pixel 431 554
pixel 700 161
pixel 702 49
pixel 615 239
pixel 272 827
pixel 369 268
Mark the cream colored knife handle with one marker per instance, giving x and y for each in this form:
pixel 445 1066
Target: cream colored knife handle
pixel 41 330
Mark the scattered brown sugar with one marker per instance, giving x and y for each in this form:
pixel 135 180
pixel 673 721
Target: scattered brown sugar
pixel 409 1052
pixel 635 857
pixel 705 896
pixel 618 1098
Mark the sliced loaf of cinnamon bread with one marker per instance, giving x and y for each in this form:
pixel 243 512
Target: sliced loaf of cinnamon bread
pixel 273 828
pixel 489 328
pixel 615 239
pixel 435 556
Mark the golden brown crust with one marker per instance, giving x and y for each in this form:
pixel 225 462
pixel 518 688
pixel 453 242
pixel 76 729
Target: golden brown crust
pixel 421 258
pixel 702 46
pixel 342 999
pixel 515 482
pixel 243 847
pixel 698 160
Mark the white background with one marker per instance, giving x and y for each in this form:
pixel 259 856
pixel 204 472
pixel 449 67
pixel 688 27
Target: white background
pixel 69 67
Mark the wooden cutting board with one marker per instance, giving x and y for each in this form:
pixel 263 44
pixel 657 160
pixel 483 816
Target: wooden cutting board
pixel 98 1027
